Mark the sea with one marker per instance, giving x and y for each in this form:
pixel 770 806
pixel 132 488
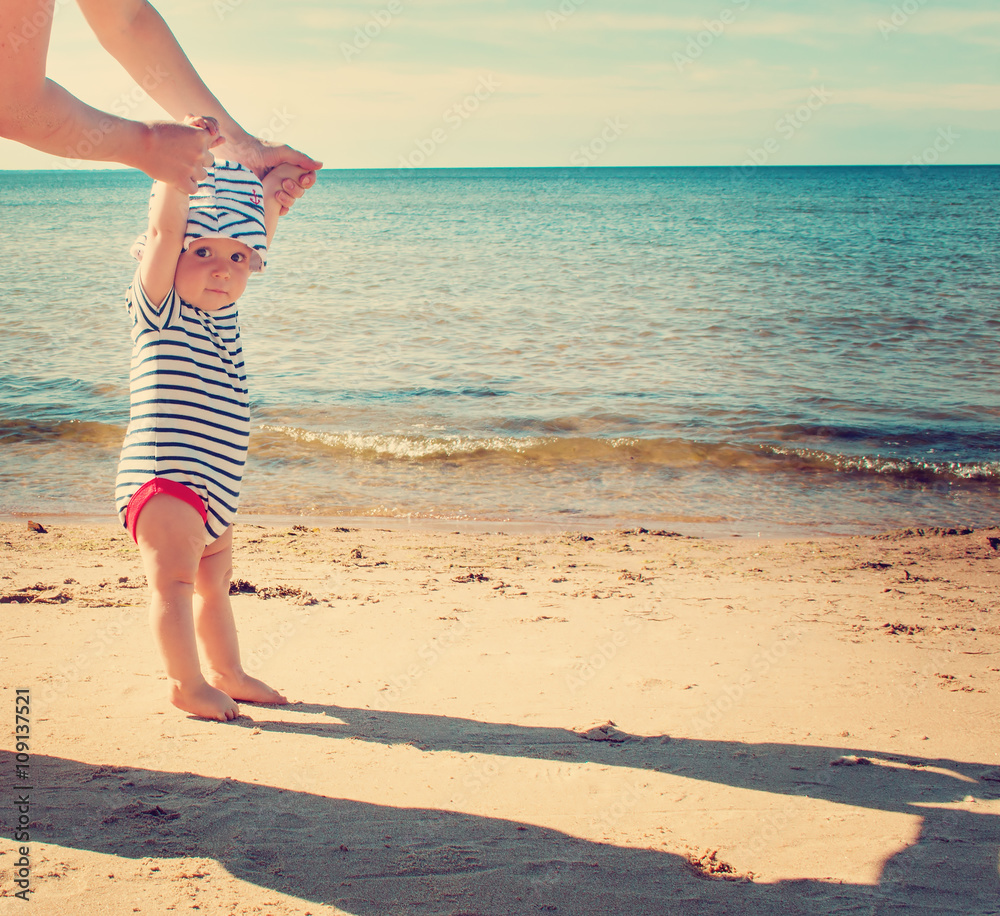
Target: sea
pixel 725 351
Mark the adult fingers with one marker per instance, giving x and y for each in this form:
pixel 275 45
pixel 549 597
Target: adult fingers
pixel 301 159
pixel 270 156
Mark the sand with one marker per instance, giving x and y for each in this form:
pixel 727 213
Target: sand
pixel 512 723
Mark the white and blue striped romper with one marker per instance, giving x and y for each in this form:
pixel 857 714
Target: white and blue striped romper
pixel 189 419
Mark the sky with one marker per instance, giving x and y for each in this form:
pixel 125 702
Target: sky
pixel 487 83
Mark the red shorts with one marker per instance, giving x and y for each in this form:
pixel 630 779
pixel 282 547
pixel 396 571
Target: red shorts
pixel 153 487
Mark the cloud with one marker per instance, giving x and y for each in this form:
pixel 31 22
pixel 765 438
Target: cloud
pixel 925 97
pixel 735 17
pixel 954 22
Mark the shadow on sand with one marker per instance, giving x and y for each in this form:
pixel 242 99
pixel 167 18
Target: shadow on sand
pixel 376 859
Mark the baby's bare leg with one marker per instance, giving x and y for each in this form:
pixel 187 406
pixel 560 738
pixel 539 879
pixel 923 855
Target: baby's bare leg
pixel 216 627
pixel 171 538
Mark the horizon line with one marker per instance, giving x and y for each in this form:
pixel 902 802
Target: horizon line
pixel 573 168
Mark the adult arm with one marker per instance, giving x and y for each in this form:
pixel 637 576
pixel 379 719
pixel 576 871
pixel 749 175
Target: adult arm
pixel 39 113
pixel 134 33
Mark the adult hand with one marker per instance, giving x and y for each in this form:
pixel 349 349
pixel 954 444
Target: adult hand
pixel 179 154
pixel 260 157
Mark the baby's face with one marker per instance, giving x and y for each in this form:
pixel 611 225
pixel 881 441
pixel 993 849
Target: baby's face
pixel 212 273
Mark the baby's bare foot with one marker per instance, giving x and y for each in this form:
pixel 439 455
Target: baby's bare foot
pixel 240 686
pixel 204 700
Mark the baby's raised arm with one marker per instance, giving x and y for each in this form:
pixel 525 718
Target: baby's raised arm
pixel 168 215
pixel 272 181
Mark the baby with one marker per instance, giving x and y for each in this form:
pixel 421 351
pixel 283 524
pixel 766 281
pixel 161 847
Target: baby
pixel 182 461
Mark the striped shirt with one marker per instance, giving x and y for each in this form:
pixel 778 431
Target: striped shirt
pixel 189 419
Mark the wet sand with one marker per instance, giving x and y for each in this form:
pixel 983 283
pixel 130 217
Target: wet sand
pixel 517 723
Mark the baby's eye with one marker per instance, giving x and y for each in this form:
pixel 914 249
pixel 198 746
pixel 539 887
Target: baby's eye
pixel 238 257
pixel 203 252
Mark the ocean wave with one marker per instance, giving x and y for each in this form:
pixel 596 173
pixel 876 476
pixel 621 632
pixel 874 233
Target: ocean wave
pixel 670 453
pixel 277 442
pixel 13 431
pixel 390 446
pixel 958 434
pixel 808 459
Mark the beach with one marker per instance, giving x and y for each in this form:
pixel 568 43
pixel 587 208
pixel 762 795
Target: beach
pixel 519 720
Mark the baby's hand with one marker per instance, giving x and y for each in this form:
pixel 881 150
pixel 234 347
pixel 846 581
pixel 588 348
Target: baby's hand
pixel 206 123
pixel 286 183
pixel 211 127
